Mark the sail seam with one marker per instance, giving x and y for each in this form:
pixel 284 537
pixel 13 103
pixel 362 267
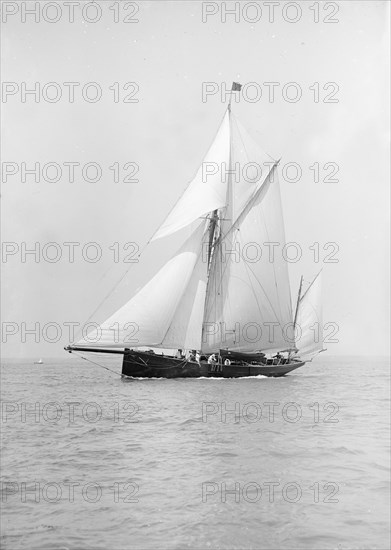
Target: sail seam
pixel 250 202
pixel 189 183
pixel 216 243
pixel 263 290
pixel 184 292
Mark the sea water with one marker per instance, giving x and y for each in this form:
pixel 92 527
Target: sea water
pixel 92 461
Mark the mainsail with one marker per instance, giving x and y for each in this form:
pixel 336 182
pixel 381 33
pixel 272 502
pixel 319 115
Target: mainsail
pixel 248 304
pixel 235 296
pixel 309 323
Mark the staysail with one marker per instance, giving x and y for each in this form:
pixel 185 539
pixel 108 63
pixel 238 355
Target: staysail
pixel 309 324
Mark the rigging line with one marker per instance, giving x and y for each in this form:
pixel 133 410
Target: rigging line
pixel 248 267
pixel 97 364
pixel 218 284
pixel 218 274
pixel 221 267
pixel 263 290
pixel 284 238
pixel 263 187
pixel 210 281
pixel 244 213
pixel 227 300
pixel 277 186
pixel 212 272
pixel 111 290
pixel 230 200
pixel 263 218
pixel 253 289
pixel 218 287
pixel 242 140
pixel 214 267
pixel 267 234
pixel 274 269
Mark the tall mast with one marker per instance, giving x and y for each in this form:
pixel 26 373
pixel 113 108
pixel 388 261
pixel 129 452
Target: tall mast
pixel 296 312
pixel 214 219
pixel 297 304
pixel 212 229
pixel 214 225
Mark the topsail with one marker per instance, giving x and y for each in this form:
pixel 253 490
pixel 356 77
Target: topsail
pixel 204 193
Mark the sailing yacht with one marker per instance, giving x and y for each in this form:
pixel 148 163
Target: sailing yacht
pixel 219 297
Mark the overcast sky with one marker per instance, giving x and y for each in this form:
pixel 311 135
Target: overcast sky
pixel 169 53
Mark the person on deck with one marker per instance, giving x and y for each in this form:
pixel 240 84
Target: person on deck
pixel 179 354
pixel 227 362
pixel 277 358
pixel 212 359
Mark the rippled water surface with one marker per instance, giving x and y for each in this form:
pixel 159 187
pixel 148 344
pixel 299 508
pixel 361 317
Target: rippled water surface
pixel 91 461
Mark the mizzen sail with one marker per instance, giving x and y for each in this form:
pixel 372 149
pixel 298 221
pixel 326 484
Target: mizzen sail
pixel 309 324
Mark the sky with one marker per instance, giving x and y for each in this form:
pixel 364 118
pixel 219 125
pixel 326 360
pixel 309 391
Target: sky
pixel 163 54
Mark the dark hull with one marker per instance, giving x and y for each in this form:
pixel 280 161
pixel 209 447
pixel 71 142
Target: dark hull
pixel 139 364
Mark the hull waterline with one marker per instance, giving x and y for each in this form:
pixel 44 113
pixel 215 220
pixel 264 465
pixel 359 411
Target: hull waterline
pixel 149 365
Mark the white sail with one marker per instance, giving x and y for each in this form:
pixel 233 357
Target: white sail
pixel 309 323
pixel 207 191
pixel 248 305
pixel 185 330
pixel 249 167
pixel 241 299
pixel 146 319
